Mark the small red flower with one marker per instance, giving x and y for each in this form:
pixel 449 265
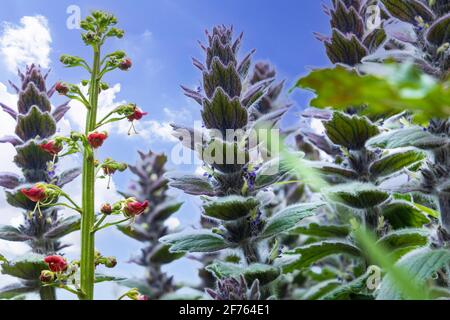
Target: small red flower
pixel 125 64
pixel 35 194
pixel 96 139
pixel 62 88
pixel 137 115
pixel 56 263
pixel 135 208
pixel 51 147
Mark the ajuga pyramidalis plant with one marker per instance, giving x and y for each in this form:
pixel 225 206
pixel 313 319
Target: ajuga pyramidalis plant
pixel 232 188
pixel 379 149
pixel 151 185
pixel 78 277
pixel 36 122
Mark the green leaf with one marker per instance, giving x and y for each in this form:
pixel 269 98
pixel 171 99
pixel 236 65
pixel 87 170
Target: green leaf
pixel 223 112
pixel 191 184
pixel 35 124
pixel 351 132
pixel 289 218
pixel 408 137
pixel 344 291
pixel 195 242
pixel 230 208
pixel 400 242
pixel 27 267
pixel 397 88
pixel 420 265
pixel 99 278
pixel 161 255
pixel 395 162
pixel 262 272
pixel 401 279
pixel 305 256
pixel 10 233
pixel 345 48
pixel 166 209
pixel 14 290
pixel 439 31
pixel 403 214
pixel 64 227
pixel 321 289
pixel 323 231
pixel 328 169
pixel 357 195
pixel 408 10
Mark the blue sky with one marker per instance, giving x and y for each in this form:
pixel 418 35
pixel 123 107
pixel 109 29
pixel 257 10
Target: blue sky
pixel 161 37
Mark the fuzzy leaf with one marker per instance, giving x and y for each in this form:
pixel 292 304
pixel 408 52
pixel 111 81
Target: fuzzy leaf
pixel 328 169
pixel 64 227
pixel 351 132
pixel 68 176
pixel 289 218
pixel 400 242
pixel 357 195
pixel 195 242
pixel 408 10
pixel 10 233
pixel 262 272
pixel 346 49
pixel 230 208
pixel 99 278
pixel 224 77
pixel 323 231
pixel 408 137
pixel 420 265
pixel 321 289
pixel 14 290
pixel 161 255
pixel 403 214
pixel 439 32
pixel 9 180
pixel 27 267
pixel 14 140
pixel 166 209
pixel 395 162
pixel 35 124
pixel 191 184
pixel 344 291
pixel 33 160
pixel 309 254
pixel 223 112
pixel 32 96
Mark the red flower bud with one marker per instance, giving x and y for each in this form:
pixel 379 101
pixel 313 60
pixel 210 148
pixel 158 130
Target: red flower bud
pixel 47 276
pixel 51 147
pixel 96 139
pixel 135 208
pixel 137 115
pixel 35 194
pixel 62 88
pixel 56 263
pixel 125 64
pixel 110 262
pixel 106 209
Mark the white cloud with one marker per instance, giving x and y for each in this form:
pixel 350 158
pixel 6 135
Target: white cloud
pixel 26 43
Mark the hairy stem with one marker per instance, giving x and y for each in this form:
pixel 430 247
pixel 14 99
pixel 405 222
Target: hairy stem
pixel 87 267
pixel 47 293
pixel 251 253
pixel 444 208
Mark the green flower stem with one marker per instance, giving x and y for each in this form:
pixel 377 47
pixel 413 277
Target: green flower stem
pixel 87 266
pixel 99 223
pixel 110 225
